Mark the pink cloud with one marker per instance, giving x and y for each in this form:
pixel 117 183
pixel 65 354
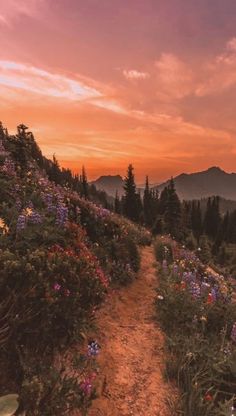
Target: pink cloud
pixel 220 74
pixel 175 79
pixel 133 74
pixel 12 9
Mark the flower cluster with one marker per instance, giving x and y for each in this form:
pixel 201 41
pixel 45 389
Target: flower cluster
pixel 93 349
pixel 233 333
pixel 3 227
pixel 8 167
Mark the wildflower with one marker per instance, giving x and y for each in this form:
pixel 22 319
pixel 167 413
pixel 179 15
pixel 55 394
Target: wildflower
pixel 61 215
pixel 93 348
pixel 3 226
pixel 208 397
pixel 160 297
pixel 233 333
pixel 21 222
pixel 195 290
pixel 210 299
pixel 8 167
pixel 35 218
pixel 57 287
pixel 86 386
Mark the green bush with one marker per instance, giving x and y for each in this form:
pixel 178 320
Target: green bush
pixel 163 250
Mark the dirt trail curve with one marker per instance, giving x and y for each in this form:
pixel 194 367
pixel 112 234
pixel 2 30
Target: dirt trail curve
pixel 131 358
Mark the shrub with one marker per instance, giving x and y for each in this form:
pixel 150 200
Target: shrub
pixel 163 250
pixel 195 311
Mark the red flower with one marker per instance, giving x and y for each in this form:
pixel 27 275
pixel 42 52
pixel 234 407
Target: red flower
pixel 208 397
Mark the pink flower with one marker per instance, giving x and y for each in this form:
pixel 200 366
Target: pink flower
pixel 57 287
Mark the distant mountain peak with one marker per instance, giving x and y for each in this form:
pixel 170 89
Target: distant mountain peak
pixel 212 181
pixel 110 184
pixel 215 169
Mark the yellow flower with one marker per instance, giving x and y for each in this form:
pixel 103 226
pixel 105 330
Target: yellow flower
pixel 3 226
pixel 28 212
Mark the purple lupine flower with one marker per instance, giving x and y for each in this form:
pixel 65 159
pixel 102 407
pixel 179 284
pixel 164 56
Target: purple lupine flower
pixel 233 333
pixel 195 290
pixel 93 348
pixel 18 204
pixel 215 293
pixel 62 215
pixel 48 200
pixel 35 218
pixel 21 222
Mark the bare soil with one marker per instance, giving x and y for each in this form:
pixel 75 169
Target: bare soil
pixel 131 359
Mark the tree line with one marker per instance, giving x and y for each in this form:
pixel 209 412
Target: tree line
pixel 185 221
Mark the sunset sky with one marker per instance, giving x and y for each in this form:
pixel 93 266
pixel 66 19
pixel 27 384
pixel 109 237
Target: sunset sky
pixel 108 82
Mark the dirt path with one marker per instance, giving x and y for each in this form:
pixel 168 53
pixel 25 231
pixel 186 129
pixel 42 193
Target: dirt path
pixel 131 358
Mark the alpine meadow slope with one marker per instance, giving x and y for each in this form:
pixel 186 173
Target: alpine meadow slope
pixel 59 254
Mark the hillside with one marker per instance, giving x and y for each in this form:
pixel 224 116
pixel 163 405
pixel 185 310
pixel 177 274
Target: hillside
pixel 213 181
pixel 59 254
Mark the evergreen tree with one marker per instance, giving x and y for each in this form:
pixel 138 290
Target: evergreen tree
pixel 232 228
pixel 131 208
pixel 196 219
pixel 172 215
pixel 163 201
pixel 139 207
pixel 205 253
pixel 54 172
pixel 147 205
pixel 212 217
pixel 85 188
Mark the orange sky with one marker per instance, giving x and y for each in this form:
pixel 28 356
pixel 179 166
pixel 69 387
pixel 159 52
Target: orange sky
pixel 104 83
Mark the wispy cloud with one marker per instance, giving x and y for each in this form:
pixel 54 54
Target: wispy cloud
pixel 12 9
pixel 175 79
pixel 219 74
pixel 18 76
pixel 133 74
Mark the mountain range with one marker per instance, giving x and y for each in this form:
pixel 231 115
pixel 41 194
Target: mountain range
pixel 213 181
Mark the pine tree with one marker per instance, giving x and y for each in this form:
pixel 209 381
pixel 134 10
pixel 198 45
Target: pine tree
pixel 163 201
pixel 130 199
pixel 212 219
pixel 54 172
pixel 172 215
pixel 147 205
pixel 85 190
pixel 205 253
pixel 196 219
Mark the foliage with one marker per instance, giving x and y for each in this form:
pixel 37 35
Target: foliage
pixel 59 252
pixel 195 310
pixel 132 206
